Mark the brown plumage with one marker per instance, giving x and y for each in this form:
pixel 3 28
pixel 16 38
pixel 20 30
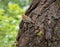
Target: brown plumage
pixel 26 18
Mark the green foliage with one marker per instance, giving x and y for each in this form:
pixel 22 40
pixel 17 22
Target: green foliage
pixel 41 33
pixel 10 17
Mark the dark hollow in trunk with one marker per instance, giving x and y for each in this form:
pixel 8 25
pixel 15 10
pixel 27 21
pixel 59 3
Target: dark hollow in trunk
pixel 45 31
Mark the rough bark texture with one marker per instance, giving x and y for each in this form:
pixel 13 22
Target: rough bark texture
pixel 46 17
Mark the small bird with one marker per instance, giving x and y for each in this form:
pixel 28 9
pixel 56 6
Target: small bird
pixel 26 18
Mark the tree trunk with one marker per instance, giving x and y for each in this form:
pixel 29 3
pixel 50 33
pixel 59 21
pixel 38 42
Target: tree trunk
pixel 45 30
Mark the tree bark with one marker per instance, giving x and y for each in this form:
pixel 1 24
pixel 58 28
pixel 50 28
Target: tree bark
pixel 45 31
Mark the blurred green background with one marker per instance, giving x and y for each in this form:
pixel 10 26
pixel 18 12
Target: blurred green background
pixel 10 17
